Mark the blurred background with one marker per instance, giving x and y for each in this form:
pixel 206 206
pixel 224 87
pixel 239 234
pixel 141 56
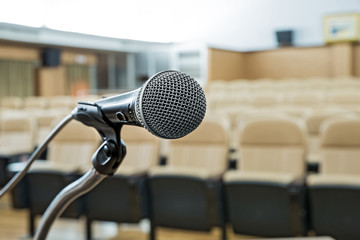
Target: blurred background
pixel 293 67
pixel 118 44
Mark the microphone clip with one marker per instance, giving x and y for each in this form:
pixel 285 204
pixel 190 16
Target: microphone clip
pixel 105 159
pixel 112 151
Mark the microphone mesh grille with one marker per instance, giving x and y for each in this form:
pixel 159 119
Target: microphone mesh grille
pixel 170 105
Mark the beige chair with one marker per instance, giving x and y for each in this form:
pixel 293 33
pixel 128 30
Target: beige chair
pixel 69 155
pixel 142 151
pixel 265 100
pixel 216 86
pixel 16 141
pixel 335 191
pixel 65 103
pixel 71 150
pixel 35 103
pixel 123 198
pixel 297 111
pixel 185 193
pixel 44 121
pixel 12 103
pixel 252 114
pixel 348 98
pixel 308 98
pixel 264 196
pixel 17 135
pixel 313 123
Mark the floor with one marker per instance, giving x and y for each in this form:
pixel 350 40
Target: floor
pixel 13 226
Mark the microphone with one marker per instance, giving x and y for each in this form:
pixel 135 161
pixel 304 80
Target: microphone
pixel 169 105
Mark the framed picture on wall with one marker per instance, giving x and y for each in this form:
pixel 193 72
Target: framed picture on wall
pixel 341 27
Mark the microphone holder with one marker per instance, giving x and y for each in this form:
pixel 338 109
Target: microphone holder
pixel 106 161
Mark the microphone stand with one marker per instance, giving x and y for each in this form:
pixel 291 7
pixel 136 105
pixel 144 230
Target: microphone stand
pixel 106 161
pixel 81 186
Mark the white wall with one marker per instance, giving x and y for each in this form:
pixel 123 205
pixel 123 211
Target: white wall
pixel 234 24
pixel 250 24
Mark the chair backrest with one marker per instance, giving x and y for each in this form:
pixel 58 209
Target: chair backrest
pixel 340 142
pixel 62 102
pixel 16 134
pixel 74 145
pixel 35 103
pixel 142 150
pixel 316 118
pixel 313 123
pixel 205 149
pixel 265 99
pixel 345 97
pixel 12 102
pixel 275 145
pixel 305 98
pixel 45 122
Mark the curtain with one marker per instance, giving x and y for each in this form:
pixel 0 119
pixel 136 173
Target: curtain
pixel 79 79
pixel 17 78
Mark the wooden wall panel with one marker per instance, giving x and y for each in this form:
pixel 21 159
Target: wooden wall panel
pixel 341 56
pixel 288 62
pixel 356 58
pixel 335 60
pixel 19 53
pixel 225 65
pixel 51 81
pixel 68 57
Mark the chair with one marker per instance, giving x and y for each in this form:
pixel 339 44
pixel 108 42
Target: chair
pixel 69 155
pixel 16 141
pixel 65 103
pixel 308 98
pixel 35 103
pixel 12 103
pixel 122 198
pixel 263 100
pixel 186 192
pixel 264 196
pixel 45 122
pixel 313 123
pixel 334 193
pixel 348 98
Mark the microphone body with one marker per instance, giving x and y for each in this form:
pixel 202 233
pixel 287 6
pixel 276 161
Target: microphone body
pixel 170 105
pixel 120 109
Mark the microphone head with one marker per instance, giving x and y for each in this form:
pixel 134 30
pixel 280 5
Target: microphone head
pixel 170 104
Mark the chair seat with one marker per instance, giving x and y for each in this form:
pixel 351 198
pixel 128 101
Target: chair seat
pixel 129 171
pixel 238 176
pixel 41 165
pixel 333 179
pixel 180 171
pixel 9 151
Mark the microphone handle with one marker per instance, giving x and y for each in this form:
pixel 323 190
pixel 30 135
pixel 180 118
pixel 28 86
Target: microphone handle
pixel 120 109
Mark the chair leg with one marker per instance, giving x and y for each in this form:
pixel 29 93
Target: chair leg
pixel 223 232
pixel 152 231
pixel 31 225
pixel 88 229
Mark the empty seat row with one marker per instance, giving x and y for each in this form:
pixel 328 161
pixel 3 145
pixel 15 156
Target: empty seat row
pixel 237 95
pixel 257 85
pixel 55 102
pixel 348 99
pixel 268 194
pixel 32 128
